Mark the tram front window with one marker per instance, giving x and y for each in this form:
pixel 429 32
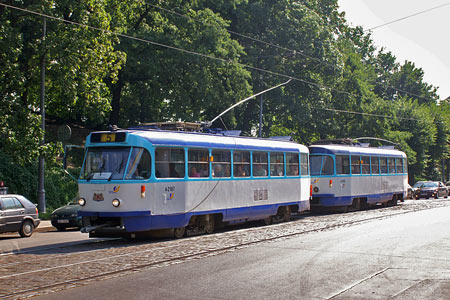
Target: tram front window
pixel 321 165
pixel 105 163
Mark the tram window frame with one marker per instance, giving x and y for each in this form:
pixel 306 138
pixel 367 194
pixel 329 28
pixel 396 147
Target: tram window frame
pixel 383 165
pixel 304 164
pixel 221 163
pixel 241 159
pixel 292 164
pixel 276 164
pixel 375 168
pixel 198 158
pixel 259 159
pixel 398 165
pixel 391 165
pixel 341 167
pixel 405 165
pixel 355 161
pixel 172 158
pixel 139 165
pixel 365 165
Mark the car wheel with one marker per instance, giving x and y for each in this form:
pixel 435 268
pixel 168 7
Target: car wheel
pixel 27 228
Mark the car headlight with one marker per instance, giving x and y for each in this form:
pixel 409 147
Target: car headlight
pixel 116 202
pixel 82 202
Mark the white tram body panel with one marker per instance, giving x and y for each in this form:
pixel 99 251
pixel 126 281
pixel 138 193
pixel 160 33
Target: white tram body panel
pixel 159 201
pixel 374 185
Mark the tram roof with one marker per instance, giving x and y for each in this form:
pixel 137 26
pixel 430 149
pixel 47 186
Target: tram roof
pixel 342 149
pixel 203 140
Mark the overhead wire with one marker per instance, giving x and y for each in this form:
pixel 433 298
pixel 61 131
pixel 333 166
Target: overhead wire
pixel 176 48
pixel 407 17
pixel 189 52
pixel 294 52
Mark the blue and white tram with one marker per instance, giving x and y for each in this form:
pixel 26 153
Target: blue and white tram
pixel 139 180
pixel 352 177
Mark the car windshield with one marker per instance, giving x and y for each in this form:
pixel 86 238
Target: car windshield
pixel 430 184
pixel 418 184
pixel 105 163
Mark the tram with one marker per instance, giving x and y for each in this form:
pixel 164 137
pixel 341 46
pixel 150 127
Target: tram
pixel 354 177
pixel 139 180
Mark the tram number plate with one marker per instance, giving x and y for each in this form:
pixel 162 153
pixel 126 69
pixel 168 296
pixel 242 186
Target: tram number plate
pixel 108 137
pixel 63 221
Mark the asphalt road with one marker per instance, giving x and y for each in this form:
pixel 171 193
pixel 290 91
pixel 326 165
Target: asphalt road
pixel 406 256
pixel 50 238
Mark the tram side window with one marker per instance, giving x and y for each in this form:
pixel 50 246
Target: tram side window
pixel 259 164
pixel 169 163
pixel 291 164
pixel 375 165
pixel 398 165
pixel 221 163
pixel 365 165
pixel 356 164
pixel 198 163
pixel 391 165
pixel 139 166
pixel 405 165
pixel 276 164
pixel 304 161
pixel 342 164
pixel 241 164
pixel 383 165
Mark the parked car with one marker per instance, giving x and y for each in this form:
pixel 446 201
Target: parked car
pixel 66 216
pixel 18 214
pixel 429 189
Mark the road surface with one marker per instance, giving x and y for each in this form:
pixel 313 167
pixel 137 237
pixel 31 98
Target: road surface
pixel 401 256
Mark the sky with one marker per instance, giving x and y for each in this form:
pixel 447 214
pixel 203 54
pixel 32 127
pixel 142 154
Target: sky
pixel 423 39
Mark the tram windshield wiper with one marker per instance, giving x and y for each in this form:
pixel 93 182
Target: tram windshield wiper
pixel 116 170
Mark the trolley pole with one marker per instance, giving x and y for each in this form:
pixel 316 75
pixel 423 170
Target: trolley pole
pixel 41 189
pixel 260 114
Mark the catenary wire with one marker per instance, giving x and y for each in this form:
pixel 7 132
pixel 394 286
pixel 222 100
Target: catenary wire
pixel 407 17
pixel 195 53
pixel 300 52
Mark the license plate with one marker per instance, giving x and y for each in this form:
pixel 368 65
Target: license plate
pixel 63 221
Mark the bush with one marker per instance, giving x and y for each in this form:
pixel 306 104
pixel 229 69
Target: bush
pixel 60 188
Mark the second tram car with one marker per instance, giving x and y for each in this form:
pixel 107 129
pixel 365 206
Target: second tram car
pixel 353 177
pixel 138 180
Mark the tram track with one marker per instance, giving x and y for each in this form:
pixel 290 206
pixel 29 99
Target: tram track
pixel 62 271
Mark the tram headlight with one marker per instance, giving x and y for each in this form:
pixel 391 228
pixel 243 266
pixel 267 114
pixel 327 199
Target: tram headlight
pixel 116 202
pixel 82 202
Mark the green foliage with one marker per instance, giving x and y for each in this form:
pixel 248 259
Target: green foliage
pixel 59 187
pixel 343 86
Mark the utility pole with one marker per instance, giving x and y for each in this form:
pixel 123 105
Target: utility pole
pixel 41 189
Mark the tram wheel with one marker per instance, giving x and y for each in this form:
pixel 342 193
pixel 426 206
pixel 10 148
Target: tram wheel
pixel 179 232
pixel 287 214
pixel 268 220
pixel 210 224
pixel 356 204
